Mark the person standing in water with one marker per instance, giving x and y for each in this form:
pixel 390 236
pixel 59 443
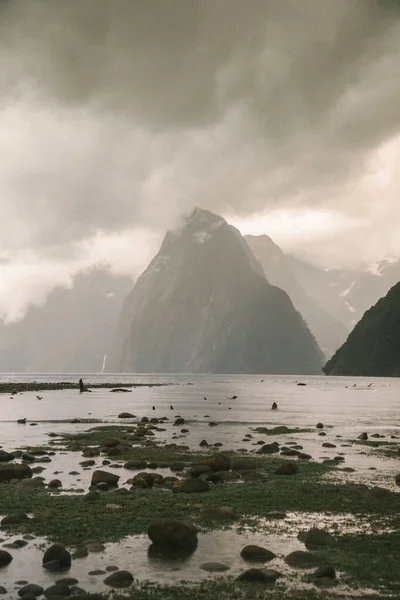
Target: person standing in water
pixel 274 406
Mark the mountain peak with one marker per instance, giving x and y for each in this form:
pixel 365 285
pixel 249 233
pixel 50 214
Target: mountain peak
pixel 203 304
pixel 202 218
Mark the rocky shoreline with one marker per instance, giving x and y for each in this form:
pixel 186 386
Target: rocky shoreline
pixel 34 386
pixel 265 520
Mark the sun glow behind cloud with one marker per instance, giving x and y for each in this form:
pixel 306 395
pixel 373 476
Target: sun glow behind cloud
pixel 294 228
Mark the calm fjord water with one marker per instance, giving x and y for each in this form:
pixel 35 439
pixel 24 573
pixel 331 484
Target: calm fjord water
pixel 372 405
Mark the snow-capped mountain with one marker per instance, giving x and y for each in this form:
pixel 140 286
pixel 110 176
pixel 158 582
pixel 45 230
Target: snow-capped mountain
pixel 347 294
pixel 204 305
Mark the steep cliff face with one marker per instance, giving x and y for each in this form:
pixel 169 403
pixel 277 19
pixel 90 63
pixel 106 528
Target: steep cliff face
pixel 329 332
pixel 373 347
pixel 203 304
pixel 72 332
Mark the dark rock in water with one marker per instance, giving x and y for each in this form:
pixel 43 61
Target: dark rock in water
pixel 212 424
pixel 14 471
pixel 325 571
pixel 197 470
pixel 31 588
pixel 322 433
pixel 256 554
pixel 139 483
pixel 88 463
pixel 178 466
pixel 256 576
pixel 304 456
pixel 16 544
pixel 214 567
pixel 80 553
pixel 91 452
pixel 5 558
pixel 269 448
pixel 289 452
pixel 318 537
pixel 57 590
pixel 126 415
pixel 303 560
pixel 190 486
pixel 120 390
pixel 135 465
pixel 320 426
pixel 68 581
pixel 219 462
pixel 17 518
pixel 28 457
pixel 2 590
pixel 104 476
pixel 97 572
pixel 119 579
pixel 110 442
pixel 174 535
pixel 55 483
pixel 203 443
pixel 328 445
pixel 397 479
pixel 363 436
pixel 6 456
pixel 287 469
pixel 148 478
pixel 179 421
pixel 57 553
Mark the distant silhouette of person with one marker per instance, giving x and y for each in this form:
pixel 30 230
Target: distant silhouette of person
pixel 274 406
pixel 82 388
pixel 171 407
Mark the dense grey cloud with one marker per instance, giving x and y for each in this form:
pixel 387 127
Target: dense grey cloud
pixel 121 114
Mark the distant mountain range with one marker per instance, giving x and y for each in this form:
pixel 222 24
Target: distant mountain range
pixel 74 330
pixel 210 301
pixel 347 294
pixel 204 305
pixel 373 347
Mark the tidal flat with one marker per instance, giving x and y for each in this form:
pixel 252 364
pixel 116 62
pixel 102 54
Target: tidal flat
pixel 248 484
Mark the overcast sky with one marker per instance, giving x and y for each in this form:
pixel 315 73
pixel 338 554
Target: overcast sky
pixel 118 115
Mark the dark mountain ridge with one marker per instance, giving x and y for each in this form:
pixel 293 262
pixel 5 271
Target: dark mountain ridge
pixel 373 347
pixel 329 332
